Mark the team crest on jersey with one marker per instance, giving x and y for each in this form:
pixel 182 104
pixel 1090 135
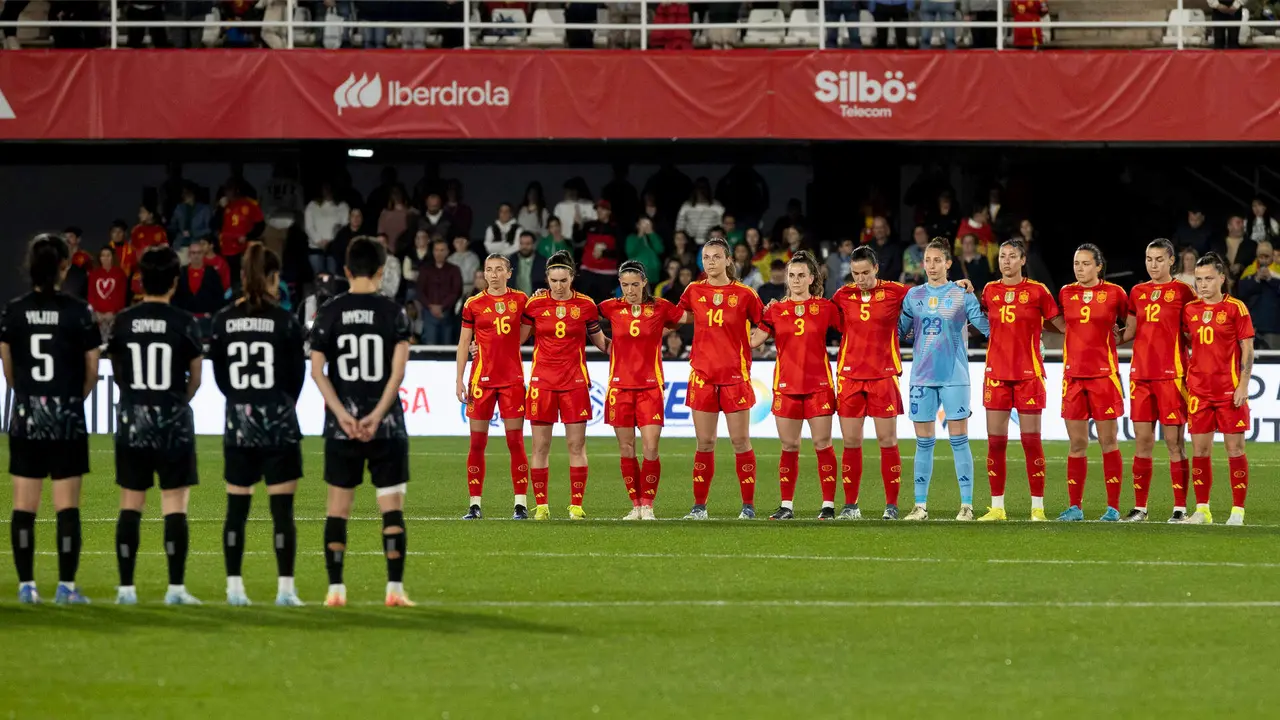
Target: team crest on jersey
pixel 799 310
pixel 866 297
pixel 1088 296
pixel 1206 316
pixel 1008 297
pixel 561 311
pixel 648 311
pixel 879 295
pixel 717 299
pixel 575 313
pixel 1221 317
pixel 933 303
pixel 1024 297
pixel 635 311
pixel 733 301
pixel 1155 295
pixel 1102 296
pixel 813 309
pixel 501 307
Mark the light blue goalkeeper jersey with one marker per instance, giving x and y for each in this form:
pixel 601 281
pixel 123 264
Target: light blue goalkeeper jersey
pixel 935 317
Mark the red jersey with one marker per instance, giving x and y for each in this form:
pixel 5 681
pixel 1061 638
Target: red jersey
pixel 107 290
pixel 722 320
pixel 800 334
pixel 1216 331
pixel 1158 350
pixel 495 322
pixel 126 257
pixel 1091 314
pixel 560 330
pixel 635 359
pixel 82 259
pixel 869 349
pixel 147 236
pixel 238 219
pixel 1017 314
pixel 224 270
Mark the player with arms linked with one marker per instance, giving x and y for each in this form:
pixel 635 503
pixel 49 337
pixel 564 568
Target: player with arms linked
pixel 561 322
pixel 1156 377
pixel 49 343
pixel 1018 310
pixel 155 351
pixel 1218 375
pixel 491 320
pixel 722 311
pixel 637 322
pixel 258 363
pixel 363 340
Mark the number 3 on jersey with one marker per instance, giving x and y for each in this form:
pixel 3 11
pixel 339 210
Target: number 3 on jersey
pixel 262 354
pixel 368 350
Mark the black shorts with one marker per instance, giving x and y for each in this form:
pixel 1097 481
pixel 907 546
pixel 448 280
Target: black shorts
pixel 137 468
pixel 344 462
pixel 56 459
pixel 245 466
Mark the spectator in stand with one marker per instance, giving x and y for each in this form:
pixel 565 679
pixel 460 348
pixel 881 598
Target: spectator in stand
pixel 793 218
pixel 1236 248
pixel 645 247
pixel 190 219
pixel 460 214
pixel 241 221
pixel 420 254
pixel 732 233
pixel 599 276
pixel 145 11
pixel 76 281
pixel 888 252
pixel 913 257
pixel 1000 219
pixel 979 224
pixel 793 240
pixel 501 238
pixel 663 224
pixel 983 37
pixel 700 213
pixel 337 250
pixel 200 290
pixel 213 262
pixel 623 13
pixel 622 197
pixel 467 262
pixel 528 268
pixel 723 13
pixel 838 266
pixel 751 238
pixel 673 291
pixel 939 11
pixel 118 241
pixel 435 219
pixel 1033 11
pixel 1260 225
pixel 970 264
pixel 671 13
pixel 1187 258
pixel 390 271
pixel 578 13
pixel 478 285
pixel 148 232
pixel 396 217
pixel 439 288
pixel 776 288
pixel 575 210
pixel 670 276
pixel 768 254
pixel 1259 288
pixel 534 215
pixel 555 240
pixel 282 198
pixel 674 348
pixel 843 11
pixel 380 198
pixel 1226 37
pixel 943 221
pixel 895 11
pixel 682 249
pixel 108 286
pixel 1036 268
pixel 743 268
pixel 1193 232
pixel 79 258
pixel 323 220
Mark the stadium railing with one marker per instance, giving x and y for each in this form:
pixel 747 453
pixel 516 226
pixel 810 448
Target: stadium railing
pixel 1184 27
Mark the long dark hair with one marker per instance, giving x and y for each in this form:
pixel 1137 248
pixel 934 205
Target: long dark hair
pixel 562 259
pixel 1096 252
pixel 260 263
pixel 819 272
pixel 540 204
pixel 635 266
pixel 45 257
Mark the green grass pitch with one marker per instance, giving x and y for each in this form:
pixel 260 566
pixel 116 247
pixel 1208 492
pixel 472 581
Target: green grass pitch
pixel 725 619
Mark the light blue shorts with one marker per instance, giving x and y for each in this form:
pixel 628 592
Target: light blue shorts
pixel 925 401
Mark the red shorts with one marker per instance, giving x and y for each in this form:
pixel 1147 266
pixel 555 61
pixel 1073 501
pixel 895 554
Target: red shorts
pixel 1218 415
pixel 635 407
pixel 702 396
pixel 509 399
pixel 804 407
pixel 545 407
pixel 870 398
pixel 1162 401
pixel 1025 396
pixel 1097 398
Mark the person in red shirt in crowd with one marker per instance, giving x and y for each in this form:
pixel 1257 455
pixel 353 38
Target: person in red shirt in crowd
pixel 803 388
pixel 1218 376
pixel 108 286
pixel 79 257
pixel 561 322
pixel 491 320
pixel 637 321
pixel 241 221
pixel 211 260
pixel 671 13
pixel 126 257
pixel 978 224
pixel 1018 310
pixel 1091 389
pixel 1157 377
pixel 869 366
pixel 200 290
pixel 599 254
pixel 1028 11
pixel 722 311
pixel 147 233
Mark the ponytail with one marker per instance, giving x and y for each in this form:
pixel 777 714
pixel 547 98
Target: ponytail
pixel 819 272
pixel 46 257
pixel 260 265
pixel 635 266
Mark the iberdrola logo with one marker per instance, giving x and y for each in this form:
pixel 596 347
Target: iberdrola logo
pixel 362 93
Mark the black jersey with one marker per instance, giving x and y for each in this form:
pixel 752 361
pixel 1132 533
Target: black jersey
pixel 259 366
pixel 48 336
pixel 152 345
pixel 358 335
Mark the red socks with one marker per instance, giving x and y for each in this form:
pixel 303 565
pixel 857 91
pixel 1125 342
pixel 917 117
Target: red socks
pixel 1178 473
pixel 704 469
pixel 746 463
pixel 1202 478
pixel 539 485
pixel 519 462
pixel 996 447
pixel 1034 450
pixel 1239 479
pixel 851 474
pixel 827 474
pixel 475 464
pixel 578 484
pixel 788 469
pixel 631 478
pixel 1077 471
pixel 650 474
pixel 891 473
pixel 1112 475
pixel 1141 481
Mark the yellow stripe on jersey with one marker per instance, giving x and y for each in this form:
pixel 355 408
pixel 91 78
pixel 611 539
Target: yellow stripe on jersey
pixel 893 345
pixel 476 366
pixel 1035 358
pixel 746 357
pixel 657 365
pixel 1177 355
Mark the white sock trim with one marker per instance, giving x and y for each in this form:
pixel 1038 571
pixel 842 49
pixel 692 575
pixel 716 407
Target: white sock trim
pixel 997 502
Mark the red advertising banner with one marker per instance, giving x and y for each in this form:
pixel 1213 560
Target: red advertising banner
pixel 512 94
